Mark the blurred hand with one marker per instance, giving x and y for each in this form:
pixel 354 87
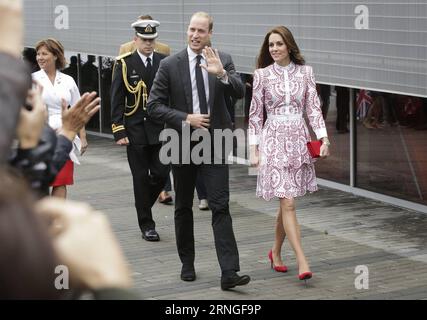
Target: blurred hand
pixel 123 141
pixel 324 151
pixel 85 243
pixel 11 27
pixel 84 144
pixel 76 117
pixel 254 156
pixel 198 120
pixel 31 122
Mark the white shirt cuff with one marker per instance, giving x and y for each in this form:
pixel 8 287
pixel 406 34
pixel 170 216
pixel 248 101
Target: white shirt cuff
pixel 253 140
pixel 320 133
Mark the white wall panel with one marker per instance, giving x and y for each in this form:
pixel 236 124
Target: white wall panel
pixel 391 55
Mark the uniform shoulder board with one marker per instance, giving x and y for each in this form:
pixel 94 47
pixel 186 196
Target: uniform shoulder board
pixel 124 55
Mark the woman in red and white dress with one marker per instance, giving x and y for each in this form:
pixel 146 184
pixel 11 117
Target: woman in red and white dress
pixel 283 90
pixel 58 87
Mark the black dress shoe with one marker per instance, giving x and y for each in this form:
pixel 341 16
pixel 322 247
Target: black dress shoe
pixel 150 235
pixel 230 281
pixel 188 273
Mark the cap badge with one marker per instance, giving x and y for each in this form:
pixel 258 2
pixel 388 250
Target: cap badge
pixel 148 29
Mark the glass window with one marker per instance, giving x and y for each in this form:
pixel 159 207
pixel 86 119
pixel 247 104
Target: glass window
pixel 335 104
pixel 89 83
pixel 74 66
pixel 244 104
pixel 391 144
pixel 106 78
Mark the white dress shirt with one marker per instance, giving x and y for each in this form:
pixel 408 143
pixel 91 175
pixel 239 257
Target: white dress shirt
pixel 144 58
pixel 192 59
pixel 63 87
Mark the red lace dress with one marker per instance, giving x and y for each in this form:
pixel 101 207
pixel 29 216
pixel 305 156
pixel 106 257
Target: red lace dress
pixel 286 169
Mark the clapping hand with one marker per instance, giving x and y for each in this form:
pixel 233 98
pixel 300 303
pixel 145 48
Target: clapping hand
pixel 85 243
pixel 32 121
pixel 76 117
pixel 11 27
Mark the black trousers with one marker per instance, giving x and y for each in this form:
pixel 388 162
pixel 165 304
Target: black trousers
pixel 149 177
pixel 217 186
pixel 343 108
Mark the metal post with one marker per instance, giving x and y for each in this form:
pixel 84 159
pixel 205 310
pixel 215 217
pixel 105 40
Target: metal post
pixel 100 90
pixel 352 136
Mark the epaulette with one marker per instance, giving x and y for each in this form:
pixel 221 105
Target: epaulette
pixel 124 55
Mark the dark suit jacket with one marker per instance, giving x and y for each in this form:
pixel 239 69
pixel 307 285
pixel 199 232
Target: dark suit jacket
pixel 139 128
pixel 171 97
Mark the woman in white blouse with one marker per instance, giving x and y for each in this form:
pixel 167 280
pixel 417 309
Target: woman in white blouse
pixel 58 89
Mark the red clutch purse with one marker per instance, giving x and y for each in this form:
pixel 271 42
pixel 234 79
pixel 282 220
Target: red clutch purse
pixel 314 148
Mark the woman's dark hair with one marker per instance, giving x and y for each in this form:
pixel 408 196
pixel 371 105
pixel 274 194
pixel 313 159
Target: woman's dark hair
pixel 264 57
pixel 28 260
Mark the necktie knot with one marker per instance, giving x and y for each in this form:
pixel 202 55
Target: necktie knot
pixel 199 59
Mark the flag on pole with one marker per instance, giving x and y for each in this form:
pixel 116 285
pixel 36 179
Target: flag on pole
pixel 363 102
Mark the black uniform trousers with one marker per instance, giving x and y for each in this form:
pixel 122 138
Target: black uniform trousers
pixel 216 181
pixel 149 177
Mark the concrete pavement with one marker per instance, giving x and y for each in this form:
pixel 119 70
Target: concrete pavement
pixel 340 232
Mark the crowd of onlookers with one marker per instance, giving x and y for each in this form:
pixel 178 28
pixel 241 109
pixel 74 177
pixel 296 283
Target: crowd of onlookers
pixel 392 109
pixel 374 109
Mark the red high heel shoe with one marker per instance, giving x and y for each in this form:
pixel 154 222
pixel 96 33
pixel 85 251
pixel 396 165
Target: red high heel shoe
pixel 305 275
pixel 276 268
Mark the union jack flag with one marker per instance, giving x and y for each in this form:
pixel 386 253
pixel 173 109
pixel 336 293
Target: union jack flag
pixel 363 102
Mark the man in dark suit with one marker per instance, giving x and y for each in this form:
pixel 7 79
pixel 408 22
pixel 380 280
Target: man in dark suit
pixel 189 90
pixel 132 80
